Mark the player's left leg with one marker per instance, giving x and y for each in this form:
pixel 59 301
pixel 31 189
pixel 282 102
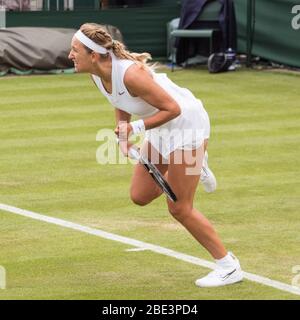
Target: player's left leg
pixel 183 178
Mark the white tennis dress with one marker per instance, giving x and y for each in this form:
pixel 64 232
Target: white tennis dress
pixel 187 131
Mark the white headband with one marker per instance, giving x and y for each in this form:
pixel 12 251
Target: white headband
pixel 90 43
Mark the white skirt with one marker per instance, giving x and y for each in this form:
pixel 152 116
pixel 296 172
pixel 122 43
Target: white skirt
pixel 186 132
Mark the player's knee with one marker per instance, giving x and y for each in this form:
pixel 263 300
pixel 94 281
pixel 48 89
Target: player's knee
pixel 180 211
pixel 138 199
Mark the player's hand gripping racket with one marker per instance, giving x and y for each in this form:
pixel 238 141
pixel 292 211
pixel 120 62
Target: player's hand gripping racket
pixel 154 172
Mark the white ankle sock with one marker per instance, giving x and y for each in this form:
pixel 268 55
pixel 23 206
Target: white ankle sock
pixel 227 262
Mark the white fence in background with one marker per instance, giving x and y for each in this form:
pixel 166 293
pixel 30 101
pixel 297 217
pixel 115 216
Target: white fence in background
pixel 34 5
pixel 2 17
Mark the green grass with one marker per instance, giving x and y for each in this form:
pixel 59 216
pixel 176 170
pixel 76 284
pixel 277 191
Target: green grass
pixel 48 128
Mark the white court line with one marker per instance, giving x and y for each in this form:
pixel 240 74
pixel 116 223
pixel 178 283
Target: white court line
pixel 145 246
pixel 136 249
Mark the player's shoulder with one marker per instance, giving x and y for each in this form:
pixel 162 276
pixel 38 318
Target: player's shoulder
pixel 137 73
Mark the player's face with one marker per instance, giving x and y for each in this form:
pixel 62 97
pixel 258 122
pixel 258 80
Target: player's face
pixel 80 56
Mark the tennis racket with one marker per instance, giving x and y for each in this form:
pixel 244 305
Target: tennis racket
pixel 154 172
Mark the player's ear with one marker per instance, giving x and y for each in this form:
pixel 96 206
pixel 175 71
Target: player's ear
pixel 95 56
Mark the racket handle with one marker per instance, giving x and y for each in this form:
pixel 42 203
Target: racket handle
pixel 133 153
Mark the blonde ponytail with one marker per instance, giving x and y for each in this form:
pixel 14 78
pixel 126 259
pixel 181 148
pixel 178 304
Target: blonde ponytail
pixel 98 34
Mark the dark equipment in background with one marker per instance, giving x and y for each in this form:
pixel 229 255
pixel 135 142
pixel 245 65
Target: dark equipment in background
pixel 219 62
pixel 215 22
pixel 125 3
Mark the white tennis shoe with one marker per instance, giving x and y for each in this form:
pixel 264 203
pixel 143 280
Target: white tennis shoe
pixel 207 177
pixel 222 276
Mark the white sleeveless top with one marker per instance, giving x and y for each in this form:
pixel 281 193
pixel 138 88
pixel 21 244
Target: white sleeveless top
pixel 120 97
pixel 193 115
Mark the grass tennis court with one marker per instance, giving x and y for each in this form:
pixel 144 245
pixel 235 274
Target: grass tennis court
pixel 48 165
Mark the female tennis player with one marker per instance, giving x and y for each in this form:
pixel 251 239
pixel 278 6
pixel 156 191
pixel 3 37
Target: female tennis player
pixel 176 126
